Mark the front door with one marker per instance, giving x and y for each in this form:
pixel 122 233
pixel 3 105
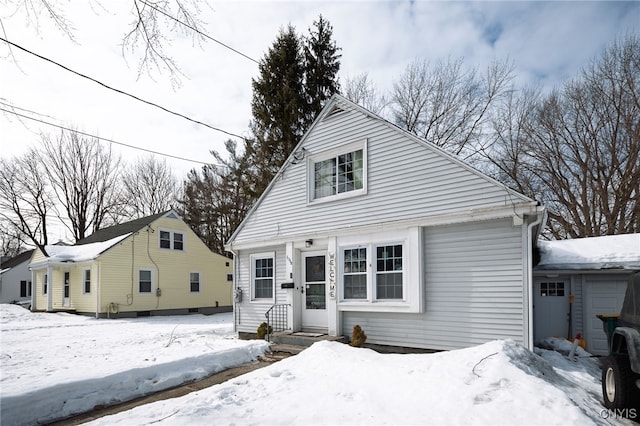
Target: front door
pixel 314 292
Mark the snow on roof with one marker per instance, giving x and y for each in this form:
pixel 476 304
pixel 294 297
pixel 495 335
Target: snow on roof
pixel 607 252
pixel 81 253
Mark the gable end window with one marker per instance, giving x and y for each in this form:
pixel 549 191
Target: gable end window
pixel 263 277
pixel 338 174
pixel 171 240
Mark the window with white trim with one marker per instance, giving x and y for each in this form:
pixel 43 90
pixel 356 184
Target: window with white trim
pixel 194 282
pixel 171 240
pixel 145 281
pixel 45 284
pixel 86 280
pixel 384 281
pixel 389 282
pixel 338 173
pixel 263 276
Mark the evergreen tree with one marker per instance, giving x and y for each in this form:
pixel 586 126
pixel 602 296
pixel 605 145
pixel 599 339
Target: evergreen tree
pixel 322 63
pixel 297 75
pixel 278 107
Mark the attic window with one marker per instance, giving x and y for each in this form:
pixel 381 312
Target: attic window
pixel 171 240
pixel 172 215
pixel 338 173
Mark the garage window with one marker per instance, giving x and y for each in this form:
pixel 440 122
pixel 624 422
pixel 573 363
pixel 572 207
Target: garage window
pixel 552 289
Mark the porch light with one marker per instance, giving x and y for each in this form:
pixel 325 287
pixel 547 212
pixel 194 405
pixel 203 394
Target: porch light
pixel 308 243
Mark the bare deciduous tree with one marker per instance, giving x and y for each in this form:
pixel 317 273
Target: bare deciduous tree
pixel 448 104
pixel 148 35
pixel 578 149
pixel 149 187
pixel 11 243
pixel 25 198
pixel 84 178
pixel 361 90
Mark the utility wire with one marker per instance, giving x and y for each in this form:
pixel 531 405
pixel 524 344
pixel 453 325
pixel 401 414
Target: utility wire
pixel 105 139
pixel 191 27
pixel 120 91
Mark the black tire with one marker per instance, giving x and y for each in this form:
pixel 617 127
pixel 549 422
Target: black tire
pixel 619 388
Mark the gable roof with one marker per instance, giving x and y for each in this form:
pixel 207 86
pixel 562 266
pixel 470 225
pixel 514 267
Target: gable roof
pixel 592 253
pixel 337 106
pixel 111 232
pixel 16 260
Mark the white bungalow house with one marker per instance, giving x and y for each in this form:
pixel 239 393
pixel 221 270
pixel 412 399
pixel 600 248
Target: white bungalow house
pixel 15 279
pixel 576 280
pixel 366 224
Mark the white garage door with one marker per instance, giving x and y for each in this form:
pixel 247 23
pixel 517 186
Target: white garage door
pixel 602 296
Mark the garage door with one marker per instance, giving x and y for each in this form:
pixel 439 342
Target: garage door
pixel 602 295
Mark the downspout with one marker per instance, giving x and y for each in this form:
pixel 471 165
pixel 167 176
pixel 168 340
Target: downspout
pixel 538 221
pixel 235 283
pixel 49 289
pixel 33 289
pixel 97 289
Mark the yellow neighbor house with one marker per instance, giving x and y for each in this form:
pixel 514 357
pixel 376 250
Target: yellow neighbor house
pixel 155 265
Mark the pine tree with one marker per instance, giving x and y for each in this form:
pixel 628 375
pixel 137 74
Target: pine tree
pixel 297 75
pixel 278 107
pixel 322 63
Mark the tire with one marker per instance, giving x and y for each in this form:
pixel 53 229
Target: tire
pixel 619 388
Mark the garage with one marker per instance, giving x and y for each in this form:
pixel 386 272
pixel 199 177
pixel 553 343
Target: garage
pixel 576 280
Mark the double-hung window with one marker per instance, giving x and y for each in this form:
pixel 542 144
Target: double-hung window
pixel 87 280
pixel 145 281
pixel 194 282
pixel 338 173
pixel 45 284
pixel 263 276
pixel 171 240
pixel 384 281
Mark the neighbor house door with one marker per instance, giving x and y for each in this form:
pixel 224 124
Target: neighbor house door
pixel 314 292
pixel 551 308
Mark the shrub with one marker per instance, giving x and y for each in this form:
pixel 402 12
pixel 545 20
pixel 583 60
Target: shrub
pixel 262 330
pixel 358 337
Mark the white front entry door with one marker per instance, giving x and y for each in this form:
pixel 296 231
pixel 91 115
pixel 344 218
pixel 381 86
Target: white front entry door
pixel 314 291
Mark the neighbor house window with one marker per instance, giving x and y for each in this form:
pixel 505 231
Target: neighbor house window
pixel 171 240
pixel 552 289
pixel 25 288
pixel 194 282
pixel 229 277
pixel 332 175
pixel 355 273
pixel 45 284
pixel 86 277
pixel 389 281
pixel 263 276
pixel 145 281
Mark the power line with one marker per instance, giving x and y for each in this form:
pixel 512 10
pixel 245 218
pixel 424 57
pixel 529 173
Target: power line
pixel 191 27
pixel 120 91
pixel 101 138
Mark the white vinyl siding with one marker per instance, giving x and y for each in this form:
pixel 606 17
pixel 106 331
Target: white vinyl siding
pixel 405 179
pixel 473 291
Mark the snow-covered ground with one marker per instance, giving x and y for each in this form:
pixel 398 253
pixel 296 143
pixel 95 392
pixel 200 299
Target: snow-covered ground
pixel 53 364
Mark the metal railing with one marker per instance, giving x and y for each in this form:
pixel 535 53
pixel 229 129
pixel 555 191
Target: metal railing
pixel 277 319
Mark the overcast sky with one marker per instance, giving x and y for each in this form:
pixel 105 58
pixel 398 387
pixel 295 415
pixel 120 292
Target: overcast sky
pixel 547 41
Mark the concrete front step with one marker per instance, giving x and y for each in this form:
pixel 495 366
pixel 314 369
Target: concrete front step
pixel 303 339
